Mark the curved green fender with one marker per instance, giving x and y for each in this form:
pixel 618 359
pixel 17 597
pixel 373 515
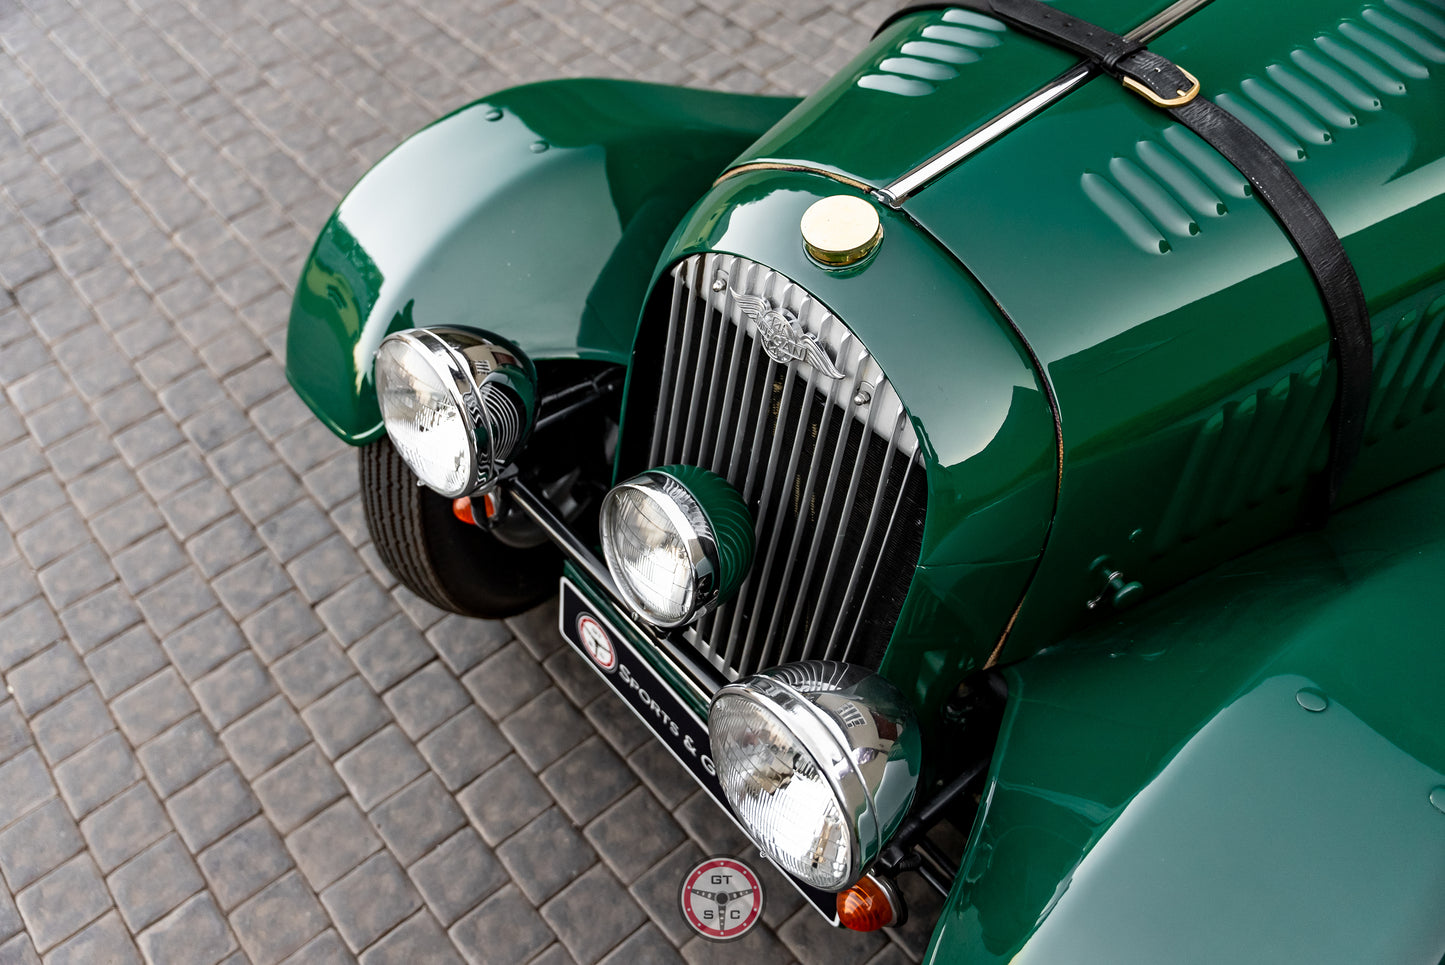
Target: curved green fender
pixel 539 212
pixel 1252 769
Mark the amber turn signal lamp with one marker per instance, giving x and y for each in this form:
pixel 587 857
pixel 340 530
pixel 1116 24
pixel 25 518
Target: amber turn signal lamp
pixel 462 510
pixel 869 905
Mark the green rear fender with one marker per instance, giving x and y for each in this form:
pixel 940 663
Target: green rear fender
pixel 1248 769
pixel 538 213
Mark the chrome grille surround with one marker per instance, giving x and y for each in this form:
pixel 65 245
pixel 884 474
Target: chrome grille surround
pixel 829 467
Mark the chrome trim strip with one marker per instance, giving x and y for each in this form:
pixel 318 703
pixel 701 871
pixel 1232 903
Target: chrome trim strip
pixel 896 193
pixel 1165 19
pixel 899 191
pixel 791 166
pixel 540 511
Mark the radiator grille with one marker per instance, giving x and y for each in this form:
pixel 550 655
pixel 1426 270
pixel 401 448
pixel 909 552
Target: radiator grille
pixel 829 467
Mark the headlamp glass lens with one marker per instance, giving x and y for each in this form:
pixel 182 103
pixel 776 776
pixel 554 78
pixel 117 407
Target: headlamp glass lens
pixel 778 793
pixel 648 556
pixel 427 427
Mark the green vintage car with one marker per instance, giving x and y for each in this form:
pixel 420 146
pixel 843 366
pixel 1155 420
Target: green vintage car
pixel 855 428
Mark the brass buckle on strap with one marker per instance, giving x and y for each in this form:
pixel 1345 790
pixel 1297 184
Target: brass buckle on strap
pixel 1184 96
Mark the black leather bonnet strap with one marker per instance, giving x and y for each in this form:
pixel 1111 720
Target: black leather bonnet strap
pixel 1172 89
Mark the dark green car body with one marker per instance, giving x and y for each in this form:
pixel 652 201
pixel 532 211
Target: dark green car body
pixel 1114 362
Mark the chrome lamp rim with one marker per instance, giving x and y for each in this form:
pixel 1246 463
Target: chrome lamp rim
pixel 833 750
pixel 499 423
pixel 690 523
pixel 812 731
pixel 450 365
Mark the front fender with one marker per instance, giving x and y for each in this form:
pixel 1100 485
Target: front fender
pixel 1250 770
pixel 538 212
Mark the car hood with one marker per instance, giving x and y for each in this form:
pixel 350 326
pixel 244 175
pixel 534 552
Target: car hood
pixel 926 81
pixel 1156 291
pixel 1156 294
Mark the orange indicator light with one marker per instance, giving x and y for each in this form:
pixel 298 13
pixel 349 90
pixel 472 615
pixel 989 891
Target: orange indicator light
pixel 462 509
pixel 869 905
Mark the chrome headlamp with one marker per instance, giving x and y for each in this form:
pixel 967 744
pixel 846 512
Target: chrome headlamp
pixel 677 541
pixel 819 761
pixel 457 404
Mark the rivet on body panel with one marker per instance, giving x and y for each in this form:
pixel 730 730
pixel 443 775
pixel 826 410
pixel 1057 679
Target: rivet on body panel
pixel 539 146
pixel 493 115
pixel 1437 798
pixel 1312 700
pixel 841 231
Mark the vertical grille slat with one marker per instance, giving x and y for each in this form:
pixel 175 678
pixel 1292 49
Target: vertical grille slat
pixel 861 561
pixel 660 421
pixel 706 347
pixel 756 581
pixel 835 485
pixel 850 503
pixel 725 437
pixel 780 518
pixel 715 426
pixel 853 637
pixel 682 364
pixel 748 399
pixel 731 611
pixel 805 511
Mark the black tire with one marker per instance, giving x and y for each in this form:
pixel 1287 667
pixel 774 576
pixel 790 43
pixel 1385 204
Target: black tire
pixel 441 559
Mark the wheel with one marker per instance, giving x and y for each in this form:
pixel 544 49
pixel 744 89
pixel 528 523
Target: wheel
pixel 448 563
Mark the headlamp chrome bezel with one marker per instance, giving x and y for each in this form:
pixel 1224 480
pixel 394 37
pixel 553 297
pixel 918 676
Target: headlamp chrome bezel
pixel 490 381
pixel 685 513
pixel 827 707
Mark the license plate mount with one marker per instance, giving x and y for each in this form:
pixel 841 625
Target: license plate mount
pixel 616 660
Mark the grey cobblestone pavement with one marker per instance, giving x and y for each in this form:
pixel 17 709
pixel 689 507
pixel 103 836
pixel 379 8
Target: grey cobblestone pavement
pixel 226 734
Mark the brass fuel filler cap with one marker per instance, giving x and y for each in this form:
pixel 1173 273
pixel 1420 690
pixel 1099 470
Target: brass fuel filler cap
pixel 841 230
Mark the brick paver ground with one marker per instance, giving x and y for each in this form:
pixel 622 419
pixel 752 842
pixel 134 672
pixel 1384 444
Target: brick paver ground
pixel 226 734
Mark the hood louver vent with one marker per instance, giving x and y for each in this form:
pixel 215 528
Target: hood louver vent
pixel 1300 104
pixel 934 56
